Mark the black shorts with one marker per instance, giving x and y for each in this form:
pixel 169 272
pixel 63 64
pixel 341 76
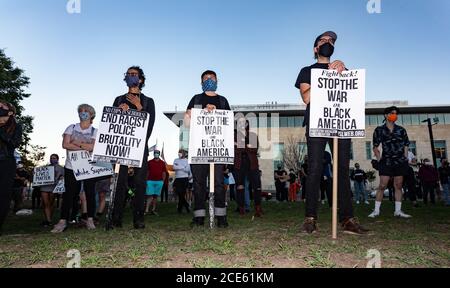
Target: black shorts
pixel 393 170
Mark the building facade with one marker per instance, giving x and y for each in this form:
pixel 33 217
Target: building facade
pixel 280 131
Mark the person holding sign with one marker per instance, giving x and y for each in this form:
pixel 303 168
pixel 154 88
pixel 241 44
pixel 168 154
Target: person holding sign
pixel 10 139
pixel 323 49
pixel 135 100
pixel 78 137
pixel 210 101
pixel 394 160
pixel 47 191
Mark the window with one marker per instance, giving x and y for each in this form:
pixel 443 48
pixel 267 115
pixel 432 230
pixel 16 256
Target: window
pixel 373 120
pixel 369 150
pixel 423 117
pixel 278 155
pixel 441 118
pixel 440 147
pixel 407 119
pixel 298 121
pixel 447 118
pixel 283 121
pixel 413 147
pixel 380 120
pixel 367 120
pixel 415 119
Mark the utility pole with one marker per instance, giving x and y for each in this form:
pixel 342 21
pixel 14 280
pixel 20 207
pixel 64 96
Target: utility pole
pixel 430 131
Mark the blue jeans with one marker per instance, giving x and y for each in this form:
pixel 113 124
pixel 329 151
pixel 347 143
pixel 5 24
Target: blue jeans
pixel 445 187
pixel 360 190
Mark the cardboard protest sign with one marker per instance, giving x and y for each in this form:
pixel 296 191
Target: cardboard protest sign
pixel 60 188
pixel 83 169
pixel 121 137
pixel 44 176
pixel 211 137
pixel 337 104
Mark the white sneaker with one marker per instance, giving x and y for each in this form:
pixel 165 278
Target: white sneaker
pixel 60 227
pixel 357 202
pixel 323 202
pixel 400 214
pixel 90 224
pixel 374 214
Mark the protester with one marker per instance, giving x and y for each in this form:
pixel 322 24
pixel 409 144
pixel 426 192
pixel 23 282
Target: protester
pixel 78 137
pixel 155 181
pixel 247 166
pixel 10 139
pixel 281 178
pixel 293 186
pixel 324 46
pixel 20 183
pixel 444 176
pixel 429 177
pixel 182 170
pixel 165 188
pixel 394 160
pixel 410 182
pixel 136 100
pixel 359 178
pixel 47 194
pixel 102 188
pixel 209 100
pixel 326 183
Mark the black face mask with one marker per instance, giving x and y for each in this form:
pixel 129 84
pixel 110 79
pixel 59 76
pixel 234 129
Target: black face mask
pixel 326 50
pixel 3 112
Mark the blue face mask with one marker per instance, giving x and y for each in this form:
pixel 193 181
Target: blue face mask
pixel 54 162
pixel 156 156
pixel 132 81
pixel 209 85
pixel 84 116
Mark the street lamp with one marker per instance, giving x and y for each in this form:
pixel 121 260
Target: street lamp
pixel 430 131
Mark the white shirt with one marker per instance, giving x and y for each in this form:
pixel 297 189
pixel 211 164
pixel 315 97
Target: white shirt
pixel 181 168
pixel 84 136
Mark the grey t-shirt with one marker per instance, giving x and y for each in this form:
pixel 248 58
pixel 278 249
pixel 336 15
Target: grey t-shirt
pixel 84 136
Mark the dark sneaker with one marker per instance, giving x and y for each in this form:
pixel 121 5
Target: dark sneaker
pixel 352 226
pixel 222 222
pixel 117 223
pixel 139 224
pixel 198 221
pixel 258 211
pixel 309 225
pixel 46 224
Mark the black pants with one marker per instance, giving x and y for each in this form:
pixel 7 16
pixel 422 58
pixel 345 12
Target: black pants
pixel 72 194
pixel 410 183
pixel 200 172
pixel 429 188
pixel 180 186
pixel 316 148
pixel 36 198
pixel 17 197
pixel 165 192
pixel 303 188
pixel 254 178
pixel 140 185
pixel 326 188
pixel 8 171
pixel 232 192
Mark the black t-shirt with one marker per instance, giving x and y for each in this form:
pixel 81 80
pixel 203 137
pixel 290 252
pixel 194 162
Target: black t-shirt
pixel 393 144
pixel 220 102
pixel 280 173
pixel 305 77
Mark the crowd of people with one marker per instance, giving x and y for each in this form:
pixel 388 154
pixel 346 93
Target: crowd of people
pixel 143 185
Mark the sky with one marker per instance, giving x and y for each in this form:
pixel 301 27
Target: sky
pixel 257 47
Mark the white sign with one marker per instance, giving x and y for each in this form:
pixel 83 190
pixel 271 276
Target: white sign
pixel 121 137
pixel 338 104
pixel 44 176
pixel 83 169
pixel 60 188
pixel 211 137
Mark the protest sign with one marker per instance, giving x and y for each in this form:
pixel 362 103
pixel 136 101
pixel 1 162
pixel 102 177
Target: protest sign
pixel 211 137
pixel 83 169
pixel 121 137
pixel 60 188
pixel 337 104
pixel 44 176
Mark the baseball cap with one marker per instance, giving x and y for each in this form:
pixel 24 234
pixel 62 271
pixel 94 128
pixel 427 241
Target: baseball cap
pixel 328 33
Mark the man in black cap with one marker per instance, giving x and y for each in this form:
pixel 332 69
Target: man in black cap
pixel 394 160
pixel 323 50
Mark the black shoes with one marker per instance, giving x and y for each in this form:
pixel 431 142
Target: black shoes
pixel 198 221
pixel 222 222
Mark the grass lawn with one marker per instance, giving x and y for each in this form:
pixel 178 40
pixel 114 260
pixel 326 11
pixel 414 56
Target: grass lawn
pixel 272 241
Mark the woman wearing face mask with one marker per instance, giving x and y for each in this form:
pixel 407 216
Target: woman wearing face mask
pixel 182 170
pixel 78 137
pixel 10 138
pixel 47 191
pixel 429 177
pixel 393 163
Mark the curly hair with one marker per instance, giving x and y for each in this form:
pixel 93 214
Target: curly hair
pixel 10 125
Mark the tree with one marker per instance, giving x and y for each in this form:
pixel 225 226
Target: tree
pixel 293 154
pixel 12 85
